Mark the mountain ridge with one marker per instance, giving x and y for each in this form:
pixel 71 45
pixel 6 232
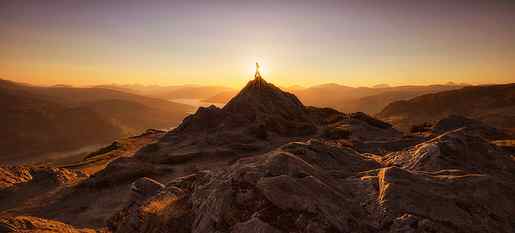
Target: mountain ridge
pixel 75 118
pixel 492 104
pixel 248 167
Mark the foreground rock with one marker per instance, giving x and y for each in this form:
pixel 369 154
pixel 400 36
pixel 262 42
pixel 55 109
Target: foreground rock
pixel 293 188
pixel 267 163
pixel 472 126
pixel 38 225
pixel 318 187
pixel 444 201
pixel 455 150
pixel 30 186
pixel 260 118
pixel 71 191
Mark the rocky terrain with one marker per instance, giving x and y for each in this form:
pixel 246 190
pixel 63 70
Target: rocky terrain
pixel 265 162
pixel 370 100
pixel 492 104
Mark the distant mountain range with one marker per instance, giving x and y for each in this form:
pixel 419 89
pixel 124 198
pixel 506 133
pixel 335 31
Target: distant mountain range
pixel 41 120
pixel 42 116
pixel 171 92
pixel 265 162
pixel 492 104
pixel 351 99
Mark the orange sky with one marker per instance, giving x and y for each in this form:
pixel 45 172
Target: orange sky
pixel 299 42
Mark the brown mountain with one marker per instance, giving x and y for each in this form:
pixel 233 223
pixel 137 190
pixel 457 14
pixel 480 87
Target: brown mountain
pixel 171 92
pixel 268 163
pixel 454 183
pixel 39 120
pixel 350 99
pixel 259 119
pixel 363 99
pixel 494 104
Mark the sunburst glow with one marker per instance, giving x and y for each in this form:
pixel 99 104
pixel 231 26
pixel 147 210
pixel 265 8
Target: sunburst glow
pixel 263 68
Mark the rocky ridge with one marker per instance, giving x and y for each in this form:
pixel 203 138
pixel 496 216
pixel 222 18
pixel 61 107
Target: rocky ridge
pixel 267 163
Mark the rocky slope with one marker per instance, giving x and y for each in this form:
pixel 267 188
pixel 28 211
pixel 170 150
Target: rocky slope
pixel 472 126
pixel 350 99
pixel 38 225
pixel 493 104
pixel 40 121
pixel 316 187
pixel 267 163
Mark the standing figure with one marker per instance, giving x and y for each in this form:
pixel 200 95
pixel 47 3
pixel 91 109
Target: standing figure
pixel 257 76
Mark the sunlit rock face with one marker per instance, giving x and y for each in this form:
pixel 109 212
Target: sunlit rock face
pixel 318 187
pixel 33 224
pixel 267 163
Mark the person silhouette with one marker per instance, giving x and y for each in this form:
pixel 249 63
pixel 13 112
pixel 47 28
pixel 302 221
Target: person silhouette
pixel 257 76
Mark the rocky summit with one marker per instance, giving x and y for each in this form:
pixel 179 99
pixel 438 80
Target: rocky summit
pixel 267 163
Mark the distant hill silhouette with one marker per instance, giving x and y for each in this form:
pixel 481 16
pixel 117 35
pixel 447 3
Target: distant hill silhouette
pixel 493 104
pixel 350 99
pixel 266 162
pixel 40 120
pixel 171 92
pixel 363 99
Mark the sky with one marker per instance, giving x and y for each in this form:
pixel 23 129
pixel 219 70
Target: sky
pixel 217 42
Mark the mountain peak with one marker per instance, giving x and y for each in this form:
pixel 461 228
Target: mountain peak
pixel 258 81
pixel 259 105
pixel 260 97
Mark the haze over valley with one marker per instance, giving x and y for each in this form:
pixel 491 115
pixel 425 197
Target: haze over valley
pixel 257 116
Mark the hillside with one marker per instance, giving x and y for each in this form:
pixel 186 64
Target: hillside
pixel 350 99
pixel 494 104
pixel 363 99
pixel 41 120
pixel 171 92
pixel 266 162
pixel 32 127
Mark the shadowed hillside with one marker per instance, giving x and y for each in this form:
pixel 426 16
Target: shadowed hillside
pixel 493 104
pixel 266 162
pixel 350 99
pixel 40 120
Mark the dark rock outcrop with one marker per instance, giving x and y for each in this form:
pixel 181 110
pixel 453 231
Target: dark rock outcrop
pixel 318 187
pixel 455 150
pixel 492 104
pixel 38 225
pixel 293 188
pixel 472 126
pixel 267 163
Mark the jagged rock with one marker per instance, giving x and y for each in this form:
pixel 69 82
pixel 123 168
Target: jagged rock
pixel 254 225
pixel 145 187
pixel 124 170
pixel 455 150
pixel 370 120
pixel 38 225
pixel 314 186
pixel 267 163
pixel 10 176
pixel 168 209
pixel 14 175
pixel 260 118
pixel 295 187
pixel 383 147
pixel 258 105
pixel 472 126
pixel 445 201
pixel 204 119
